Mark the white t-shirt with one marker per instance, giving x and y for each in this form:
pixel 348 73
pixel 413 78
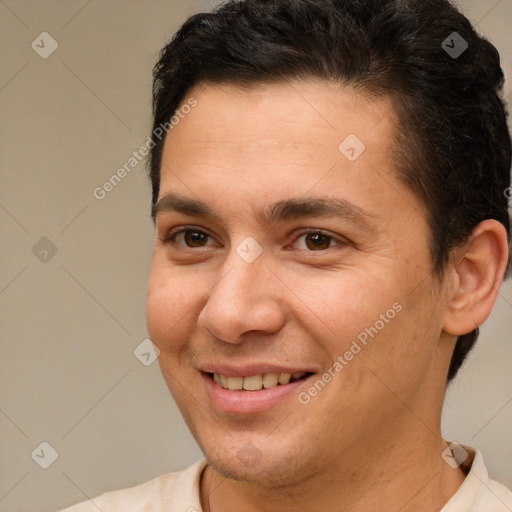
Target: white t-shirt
pixel 179 492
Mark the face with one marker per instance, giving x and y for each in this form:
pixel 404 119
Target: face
pixel 285 247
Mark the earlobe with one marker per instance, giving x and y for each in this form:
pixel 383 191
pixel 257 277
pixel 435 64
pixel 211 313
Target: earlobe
pixel 477 273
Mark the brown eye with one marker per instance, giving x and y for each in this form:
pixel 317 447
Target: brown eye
pixel 191 238
pixel 195 238
pixel 316 241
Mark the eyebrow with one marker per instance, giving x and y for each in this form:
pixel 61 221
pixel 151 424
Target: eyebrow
pixel 280 211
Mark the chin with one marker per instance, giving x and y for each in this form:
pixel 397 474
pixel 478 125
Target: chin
pixel 271 469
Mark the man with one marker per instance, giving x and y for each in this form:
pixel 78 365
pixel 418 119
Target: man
pixel 331 229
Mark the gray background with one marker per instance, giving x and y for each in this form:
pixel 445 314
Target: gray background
pixel 70 324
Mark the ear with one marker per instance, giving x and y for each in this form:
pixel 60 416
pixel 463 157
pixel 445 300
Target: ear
pixel 477 271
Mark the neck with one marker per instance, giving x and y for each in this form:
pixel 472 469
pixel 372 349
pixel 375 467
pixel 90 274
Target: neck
pixel 408 475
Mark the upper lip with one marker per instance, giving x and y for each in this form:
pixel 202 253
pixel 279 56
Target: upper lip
pixel 247 370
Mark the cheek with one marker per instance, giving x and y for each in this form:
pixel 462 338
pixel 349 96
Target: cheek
pixel 402 353
pixel 340 309
pixel 374 322
pixel 171 302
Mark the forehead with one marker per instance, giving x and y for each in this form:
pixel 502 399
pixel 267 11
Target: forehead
pixel 313 112
pixel 270 141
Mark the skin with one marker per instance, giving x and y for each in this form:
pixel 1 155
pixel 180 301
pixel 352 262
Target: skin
pixel 371 438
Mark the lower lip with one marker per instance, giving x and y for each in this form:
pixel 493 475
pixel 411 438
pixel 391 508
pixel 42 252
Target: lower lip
pixel 249 402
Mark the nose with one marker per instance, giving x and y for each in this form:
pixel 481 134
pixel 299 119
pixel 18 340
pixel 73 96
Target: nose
pixel 245 299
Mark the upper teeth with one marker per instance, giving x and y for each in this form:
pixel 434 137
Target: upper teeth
pixel 256 382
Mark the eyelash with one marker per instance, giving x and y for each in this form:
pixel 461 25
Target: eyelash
pixel 168 239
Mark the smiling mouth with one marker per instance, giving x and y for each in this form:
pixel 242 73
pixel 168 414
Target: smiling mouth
pixel 257 382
